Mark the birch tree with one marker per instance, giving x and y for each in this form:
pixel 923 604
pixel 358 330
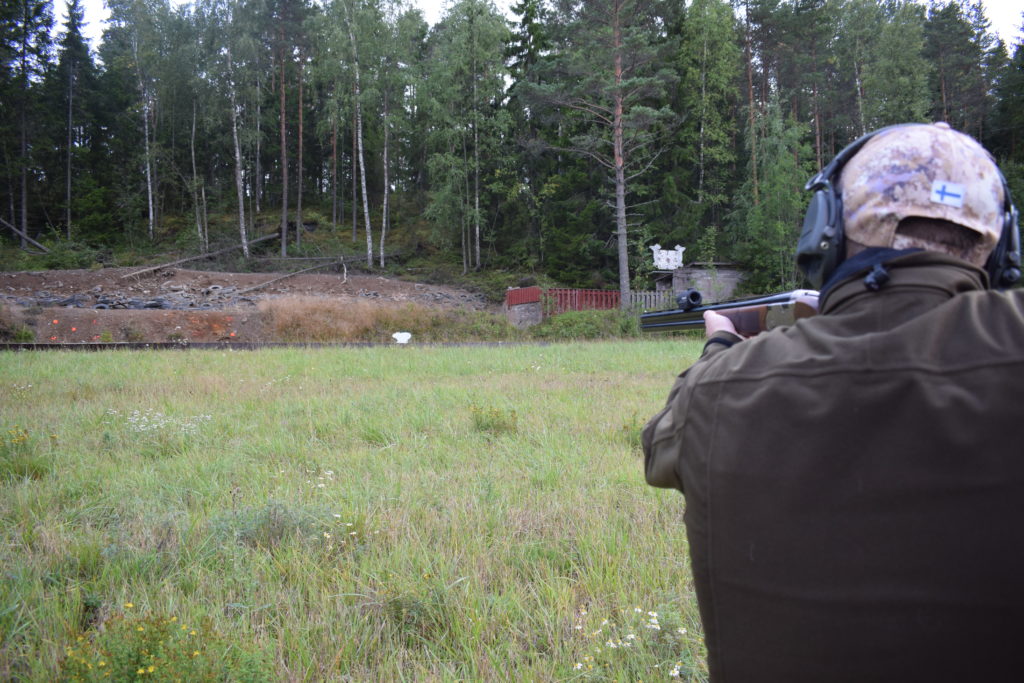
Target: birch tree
pixel 466 87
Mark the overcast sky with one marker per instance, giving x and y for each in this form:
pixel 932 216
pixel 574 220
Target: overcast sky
pixel 1005 16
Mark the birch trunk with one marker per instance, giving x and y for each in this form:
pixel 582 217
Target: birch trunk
pixel 384 209
pixel 334 176
pixel 298 180
pixel 359 138
pixel 258 183
pixel 466 235
pixel 860 98
pixel 195 184
pixel 239 183
pixel 145 135
pixel 355 171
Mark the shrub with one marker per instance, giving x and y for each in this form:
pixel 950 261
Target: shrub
pixel 162 649
pixel 587 325
pixel 267 527
pixel 69 254
pixel 493 421
pixel 20 456
pixel 13 330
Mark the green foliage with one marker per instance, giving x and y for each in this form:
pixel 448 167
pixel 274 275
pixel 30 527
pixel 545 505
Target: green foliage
pixel 270 526
pixel 701 162
pixel 587 325
pixel 12 329
pixel 92 209
pixel 896 75
pixel 767 224
pixel 493 146
pixel 67 254
pixel 159 648
pixel 493 421
pixel 24 456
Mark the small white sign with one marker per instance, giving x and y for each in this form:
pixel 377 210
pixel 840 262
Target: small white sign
pixel 402 337
pixel 665 259
pixel 950 194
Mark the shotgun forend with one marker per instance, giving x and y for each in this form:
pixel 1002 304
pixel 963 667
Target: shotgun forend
pixel 749 316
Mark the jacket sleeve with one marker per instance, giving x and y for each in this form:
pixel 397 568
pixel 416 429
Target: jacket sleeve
pixel 662 441
pixel 663 436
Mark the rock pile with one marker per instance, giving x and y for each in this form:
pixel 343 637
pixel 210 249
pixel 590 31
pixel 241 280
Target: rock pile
pixel 167 297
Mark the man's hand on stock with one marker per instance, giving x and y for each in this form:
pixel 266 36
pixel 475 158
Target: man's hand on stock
pixel 716 322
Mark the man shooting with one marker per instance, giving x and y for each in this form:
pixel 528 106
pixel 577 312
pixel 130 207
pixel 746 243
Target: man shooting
pixel 854 482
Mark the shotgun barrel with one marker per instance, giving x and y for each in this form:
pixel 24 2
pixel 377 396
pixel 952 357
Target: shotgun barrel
pixel 749 316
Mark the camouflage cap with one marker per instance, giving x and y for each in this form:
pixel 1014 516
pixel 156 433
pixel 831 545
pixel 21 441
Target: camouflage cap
pixel 921 170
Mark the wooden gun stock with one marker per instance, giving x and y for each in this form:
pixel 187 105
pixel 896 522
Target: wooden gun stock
pixel 749 316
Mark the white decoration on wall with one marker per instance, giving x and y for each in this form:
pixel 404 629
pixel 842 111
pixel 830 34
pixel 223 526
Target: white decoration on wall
pixel 665 259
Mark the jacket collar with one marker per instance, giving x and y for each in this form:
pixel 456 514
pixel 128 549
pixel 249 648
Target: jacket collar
pixel 881 272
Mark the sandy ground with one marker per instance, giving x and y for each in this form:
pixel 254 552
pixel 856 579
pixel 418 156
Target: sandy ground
pixel 177 304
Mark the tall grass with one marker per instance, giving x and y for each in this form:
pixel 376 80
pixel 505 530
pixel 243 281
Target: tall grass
pixel 305 319
pixel 356 514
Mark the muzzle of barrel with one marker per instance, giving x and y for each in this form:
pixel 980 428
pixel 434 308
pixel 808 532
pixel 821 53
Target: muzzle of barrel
pixel 689 299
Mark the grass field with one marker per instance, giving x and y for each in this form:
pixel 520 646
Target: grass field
pixel 370 514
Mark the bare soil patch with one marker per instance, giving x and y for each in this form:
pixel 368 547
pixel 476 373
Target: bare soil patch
pixel 178 304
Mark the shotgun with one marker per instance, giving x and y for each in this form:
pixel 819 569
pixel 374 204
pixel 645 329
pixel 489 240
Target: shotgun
pixel 749 316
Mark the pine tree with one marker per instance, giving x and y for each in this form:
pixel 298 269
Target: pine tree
pixel 956 50
pixel 76 87
pixel 27 47
pixel 608 76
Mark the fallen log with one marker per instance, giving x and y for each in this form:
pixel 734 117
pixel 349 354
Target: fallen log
pixel 149 269
pixel 339 262
pixel 11 226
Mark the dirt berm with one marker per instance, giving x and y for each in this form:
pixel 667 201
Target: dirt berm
pixel 176 304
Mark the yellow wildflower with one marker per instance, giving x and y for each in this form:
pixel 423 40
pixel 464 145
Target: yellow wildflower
pixel 128 605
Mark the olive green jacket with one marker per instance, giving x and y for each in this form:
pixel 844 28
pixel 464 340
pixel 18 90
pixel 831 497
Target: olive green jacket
pixel 855 484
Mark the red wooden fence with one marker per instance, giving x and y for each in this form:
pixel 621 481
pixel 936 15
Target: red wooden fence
pixel 561 300
pixel 522 295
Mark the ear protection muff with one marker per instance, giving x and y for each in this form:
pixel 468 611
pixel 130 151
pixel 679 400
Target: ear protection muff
pixel 1003 263
pixel 822 244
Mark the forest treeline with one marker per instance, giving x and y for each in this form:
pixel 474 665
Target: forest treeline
pixel 564 142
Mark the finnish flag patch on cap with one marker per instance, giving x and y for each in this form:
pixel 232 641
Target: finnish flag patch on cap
pixel 950 194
